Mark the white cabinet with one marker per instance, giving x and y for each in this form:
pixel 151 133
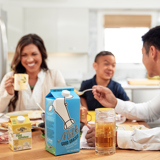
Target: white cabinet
pixel 14 25
pixel 62 29
pixel 72 27
pixel 144 95
pixel 42 21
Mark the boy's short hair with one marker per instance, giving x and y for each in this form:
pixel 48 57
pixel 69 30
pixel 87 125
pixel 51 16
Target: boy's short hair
pixel 152 37
pixel 102 53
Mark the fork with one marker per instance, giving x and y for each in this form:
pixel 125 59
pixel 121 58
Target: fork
pixel 2 115
pixel 40 107
pixel 82 92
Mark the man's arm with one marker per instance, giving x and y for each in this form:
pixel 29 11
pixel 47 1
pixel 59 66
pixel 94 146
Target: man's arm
pixel 139 139
pixel 148 139
pixel 148 111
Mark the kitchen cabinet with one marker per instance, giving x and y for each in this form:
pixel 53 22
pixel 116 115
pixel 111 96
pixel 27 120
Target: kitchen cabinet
pixel 62 29
pixel 144 95
pixel 14 25
pixel 72 27
pixel 42 21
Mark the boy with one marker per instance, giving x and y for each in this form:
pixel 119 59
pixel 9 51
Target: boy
pixel 104 66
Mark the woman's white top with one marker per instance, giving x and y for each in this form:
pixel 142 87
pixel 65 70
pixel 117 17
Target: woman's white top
pixel 26 99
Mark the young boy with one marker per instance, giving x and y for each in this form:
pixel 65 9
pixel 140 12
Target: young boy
pixel 104 66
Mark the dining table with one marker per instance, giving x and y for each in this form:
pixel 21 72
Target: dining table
pixel 38 152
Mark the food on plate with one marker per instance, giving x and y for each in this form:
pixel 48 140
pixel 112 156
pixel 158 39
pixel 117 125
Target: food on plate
pixel 4 138
pixel 33 123
pixel 34 114
pixel 4 124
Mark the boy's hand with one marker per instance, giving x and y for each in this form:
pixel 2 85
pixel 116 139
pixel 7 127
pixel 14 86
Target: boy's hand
pixel 90 136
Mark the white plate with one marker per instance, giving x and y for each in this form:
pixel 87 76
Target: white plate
pixel 32 114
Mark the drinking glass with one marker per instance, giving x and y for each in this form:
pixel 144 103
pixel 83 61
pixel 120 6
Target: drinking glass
pixel 105 131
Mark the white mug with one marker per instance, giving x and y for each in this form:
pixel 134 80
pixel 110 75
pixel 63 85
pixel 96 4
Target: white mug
pixel 20 81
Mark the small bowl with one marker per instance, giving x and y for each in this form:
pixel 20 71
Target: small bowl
pixel 42 127
pixel 81 125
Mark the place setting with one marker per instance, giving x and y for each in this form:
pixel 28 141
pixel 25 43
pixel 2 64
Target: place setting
pixel 35 117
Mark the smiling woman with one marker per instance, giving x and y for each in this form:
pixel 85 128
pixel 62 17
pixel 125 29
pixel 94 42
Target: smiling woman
pixel 30 58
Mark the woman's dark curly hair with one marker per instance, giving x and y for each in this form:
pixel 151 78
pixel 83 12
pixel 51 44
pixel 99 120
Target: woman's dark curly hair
pixel 16 65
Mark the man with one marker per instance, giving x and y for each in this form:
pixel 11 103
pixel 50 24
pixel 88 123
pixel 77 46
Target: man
pixel 150 111
pixel 104 65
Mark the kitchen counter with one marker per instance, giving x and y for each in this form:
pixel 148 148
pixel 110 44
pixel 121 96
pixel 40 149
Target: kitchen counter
pixel 125 85
pixel 76 84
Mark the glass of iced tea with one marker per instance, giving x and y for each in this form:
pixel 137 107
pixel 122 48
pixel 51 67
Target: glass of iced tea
pixel 105 131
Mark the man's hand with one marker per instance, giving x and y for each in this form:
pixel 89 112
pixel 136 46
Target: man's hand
pixel 104 96
pixel 90 136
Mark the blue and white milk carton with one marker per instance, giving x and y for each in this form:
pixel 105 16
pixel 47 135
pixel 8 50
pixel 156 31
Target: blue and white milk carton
pixel 62 121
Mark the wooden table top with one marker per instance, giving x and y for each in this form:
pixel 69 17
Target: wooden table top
pixel 38 152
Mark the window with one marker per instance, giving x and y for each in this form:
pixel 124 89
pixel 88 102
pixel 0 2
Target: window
pixel 125 43
pixel 123 36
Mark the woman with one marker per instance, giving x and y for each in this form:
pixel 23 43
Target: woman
pixel 30 57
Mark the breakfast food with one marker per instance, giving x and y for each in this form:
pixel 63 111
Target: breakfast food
pixel 4 124
pixel 4 138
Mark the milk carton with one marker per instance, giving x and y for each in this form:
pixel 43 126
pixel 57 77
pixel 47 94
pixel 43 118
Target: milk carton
pixel 19 131
pixel 62 121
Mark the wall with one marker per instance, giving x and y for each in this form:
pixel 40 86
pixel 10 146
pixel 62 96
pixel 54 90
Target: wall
pixel 97 8
pixel 73 66
pixel 91 4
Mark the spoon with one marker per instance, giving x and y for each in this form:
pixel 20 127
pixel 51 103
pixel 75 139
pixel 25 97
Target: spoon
pixel 82 92
pixel 40 107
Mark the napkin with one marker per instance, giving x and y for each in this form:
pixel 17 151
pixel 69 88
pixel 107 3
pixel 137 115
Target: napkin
pixel 83 142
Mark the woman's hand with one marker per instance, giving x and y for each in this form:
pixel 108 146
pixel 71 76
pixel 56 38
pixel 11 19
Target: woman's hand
pixel 90 136
pixel 104 96
pixel 8 85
